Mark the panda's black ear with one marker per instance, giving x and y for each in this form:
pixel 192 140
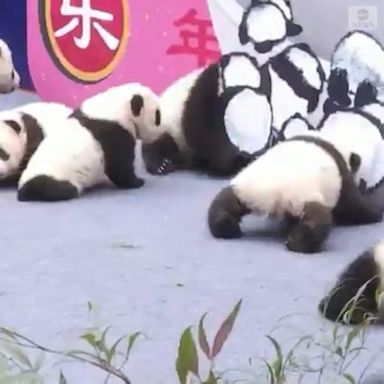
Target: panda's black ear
pixel 354 162
pixel 157 117
pixel 137 104
pixel 14 125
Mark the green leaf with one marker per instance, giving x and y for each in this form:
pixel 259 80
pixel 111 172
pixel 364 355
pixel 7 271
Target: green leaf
pixel 271 373
pixel 339 351
pixel 112 351
pixel 101 343
pixel 39 361
pixel 8 333
pixel 211 379
pixel 187 359
pixel 203 342
pixel 351 336
pixel 16 353
pixel 131 342
pixel 350 378
pixel 62 379
pixel 224 331
pixel 278 364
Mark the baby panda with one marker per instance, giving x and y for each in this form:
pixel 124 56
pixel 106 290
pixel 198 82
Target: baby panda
pixel 198 116
pixel 357 295
pixel 357 71
pixel 266 24
pixel 22 129
pixel 95 145
pixel 361 131
pixel 306 183
pixel 9 77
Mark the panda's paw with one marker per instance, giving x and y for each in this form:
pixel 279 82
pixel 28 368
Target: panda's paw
pixel 301 240
pixel 166 167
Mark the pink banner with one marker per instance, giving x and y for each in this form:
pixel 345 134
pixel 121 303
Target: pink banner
pixel 79 47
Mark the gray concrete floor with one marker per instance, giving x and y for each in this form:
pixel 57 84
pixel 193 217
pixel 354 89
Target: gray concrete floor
pixel 147 258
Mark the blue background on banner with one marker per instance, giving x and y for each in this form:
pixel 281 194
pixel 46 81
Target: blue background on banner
pixel 13 29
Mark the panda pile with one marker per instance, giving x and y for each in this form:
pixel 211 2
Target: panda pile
pixel 22 129
pixel 94 145
pixel 306 183
pixel 221 117
pixel 358 293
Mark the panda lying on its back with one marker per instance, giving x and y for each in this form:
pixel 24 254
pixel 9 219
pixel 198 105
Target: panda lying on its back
pixel 94 145
pixel 304 180
pixel 21 131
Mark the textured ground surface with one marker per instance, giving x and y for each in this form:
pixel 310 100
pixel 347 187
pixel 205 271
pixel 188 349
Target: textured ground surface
pixel 147 258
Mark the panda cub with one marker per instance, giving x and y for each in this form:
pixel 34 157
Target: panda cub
pixel 22 129
pixel 95 145
pixel 357 295
pixel 305 182
pixel 9 77
pixel 356 71
pixel 197 116
pixel 266 24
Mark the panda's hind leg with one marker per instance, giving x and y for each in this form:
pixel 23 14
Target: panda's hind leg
pixel 46 188
pixel 356 209
pixel 310 231
pixel 225 214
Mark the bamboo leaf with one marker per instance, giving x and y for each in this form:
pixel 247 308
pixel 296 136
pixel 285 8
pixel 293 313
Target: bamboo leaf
pixel 278 364
pixel 187 359
pixel 112 351
pixel 350 378
pixel 17 354
pixel 225 330
pixel 203 342
pixel 39 361
pixel 131 342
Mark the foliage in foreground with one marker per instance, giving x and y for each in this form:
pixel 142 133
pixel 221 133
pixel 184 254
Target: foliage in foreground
pixel 22 359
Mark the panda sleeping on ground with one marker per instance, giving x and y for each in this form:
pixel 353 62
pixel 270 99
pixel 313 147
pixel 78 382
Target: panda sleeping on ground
pixel 22 129
pixel 95 145
pixel 9 77
pixel 304 181
pixel 357 295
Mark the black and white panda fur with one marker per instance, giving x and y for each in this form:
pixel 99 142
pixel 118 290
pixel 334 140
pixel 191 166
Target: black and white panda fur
pixel 221 117
pixel 95 145
pixel 22 129
pixel 358 293
pixel 305 182
pixel 9 77
pixel 266 24
pixel 196 112
pixel 357 71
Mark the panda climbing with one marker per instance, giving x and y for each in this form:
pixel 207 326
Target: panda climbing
pixel 266 24
pixel 214 119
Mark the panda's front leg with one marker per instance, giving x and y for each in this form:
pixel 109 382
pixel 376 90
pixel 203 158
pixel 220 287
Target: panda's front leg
pixel 225 214
pixel 122 174
pixel 311 230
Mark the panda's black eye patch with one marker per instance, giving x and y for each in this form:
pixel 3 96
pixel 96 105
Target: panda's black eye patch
pixel 4 155
pixel 137 103
pixel 157 117
pixel 14 125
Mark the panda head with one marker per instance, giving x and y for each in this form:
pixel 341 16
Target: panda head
pixel 133 105
pixel 12 148
pixel 9 77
